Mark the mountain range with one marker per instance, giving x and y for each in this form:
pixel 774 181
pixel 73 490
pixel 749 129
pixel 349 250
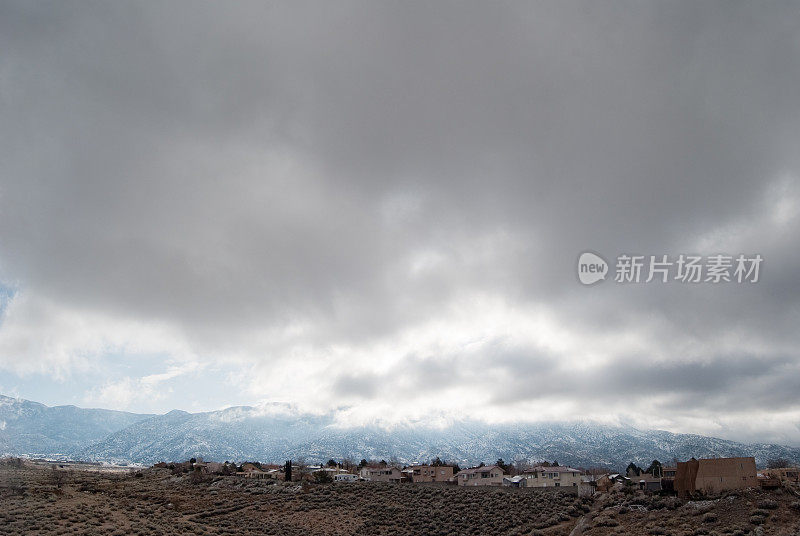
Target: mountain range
pixel 275 432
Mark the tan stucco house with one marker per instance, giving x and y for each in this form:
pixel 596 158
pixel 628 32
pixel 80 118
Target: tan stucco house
pixel 552 477
pixel 481 476
pixel 430 473
pixel 381 474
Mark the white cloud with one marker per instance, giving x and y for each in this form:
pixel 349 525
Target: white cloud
pixel 117 395
pixel 45 337
pixel 134 393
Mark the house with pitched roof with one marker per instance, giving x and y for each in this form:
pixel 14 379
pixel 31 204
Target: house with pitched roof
pixel 430 473
pixel 381 473
pixel 491 475
pixel 552 477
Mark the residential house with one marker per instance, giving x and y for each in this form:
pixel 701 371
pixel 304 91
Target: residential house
pixel 589 483
pixel 380 473
pixel 209 467
pixel 250 470
pixel 644 481
pixel 604 483
pixel 648 482
pixel 612 481
pixel 250 467
pixel 276 474
pixel 332 471
pixel 430 473
pixel 264 471
pixel 517 481
pixel 715 475
pixel 668 480
pixel 766 481
pixel 552 477
pixel 481 476
pixel 786 475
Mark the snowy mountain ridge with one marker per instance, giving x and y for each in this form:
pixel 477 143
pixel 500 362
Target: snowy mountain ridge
pixel 280 432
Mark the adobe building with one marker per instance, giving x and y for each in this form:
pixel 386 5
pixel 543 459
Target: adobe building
pixel 714 475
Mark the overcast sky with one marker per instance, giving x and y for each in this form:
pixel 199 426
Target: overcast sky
pixel 377 208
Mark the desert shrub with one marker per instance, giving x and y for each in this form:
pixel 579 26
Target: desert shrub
pixel 709 517
pixel 672 503
pixel 197 477
pixel 322 477
pixel 768 504
pixel 605 521
pixel 757 520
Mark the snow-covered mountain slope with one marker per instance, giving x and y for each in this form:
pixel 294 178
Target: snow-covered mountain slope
pixel 276 433
pixel 37 430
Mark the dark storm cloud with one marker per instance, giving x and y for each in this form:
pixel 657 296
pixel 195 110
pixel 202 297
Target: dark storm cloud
pixel 495 363
pixel 723 382
pixel 357 168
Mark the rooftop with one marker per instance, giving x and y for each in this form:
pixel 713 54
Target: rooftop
pixel 553 469
pixel 484 469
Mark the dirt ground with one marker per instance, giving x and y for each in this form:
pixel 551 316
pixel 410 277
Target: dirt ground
pixel 40 500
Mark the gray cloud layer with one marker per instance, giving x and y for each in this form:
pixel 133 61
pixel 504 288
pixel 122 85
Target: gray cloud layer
pixel 327 185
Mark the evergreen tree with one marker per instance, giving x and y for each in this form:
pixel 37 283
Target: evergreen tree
pixel 633 469
pixel 287 471
pixel 655 469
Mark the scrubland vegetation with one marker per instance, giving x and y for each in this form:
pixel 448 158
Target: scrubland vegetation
pixel 46 500
pixel 746 512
